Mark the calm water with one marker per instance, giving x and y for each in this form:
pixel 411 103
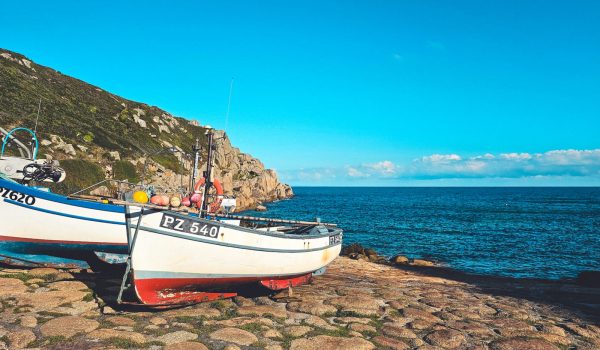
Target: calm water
pixel 519 232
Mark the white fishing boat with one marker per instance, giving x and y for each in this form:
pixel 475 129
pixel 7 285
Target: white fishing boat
pixel 179 258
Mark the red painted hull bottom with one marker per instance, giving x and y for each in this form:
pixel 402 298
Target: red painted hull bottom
pixel 170 291
pixel 279 284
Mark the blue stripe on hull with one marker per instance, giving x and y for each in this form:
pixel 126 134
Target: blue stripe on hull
pixel 31 254
pixel 63 214
pixel 61 199
pixel 52 248
pixel 35 260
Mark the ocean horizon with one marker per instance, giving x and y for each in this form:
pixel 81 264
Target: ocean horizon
pixel 523 232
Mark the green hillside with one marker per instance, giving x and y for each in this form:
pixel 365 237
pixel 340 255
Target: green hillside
pixel 83 114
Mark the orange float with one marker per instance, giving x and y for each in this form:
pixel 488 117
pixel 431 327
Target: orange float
pixel 214 206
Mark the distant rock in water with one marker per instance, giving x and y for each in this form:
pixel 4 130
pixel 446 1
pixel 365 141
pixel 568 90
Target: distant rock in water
pixel 97 135
pixel 352 248
pixel 399 260
pixel 589 279
pixel 421 262
pixel 370 252
pixel 358 252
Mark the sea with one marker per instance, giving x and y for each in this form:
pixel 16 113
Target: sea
pixel 533 232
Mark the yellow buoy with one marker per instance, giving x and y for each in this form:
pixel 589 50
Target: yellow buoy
pixel 175 201
pixel 140 197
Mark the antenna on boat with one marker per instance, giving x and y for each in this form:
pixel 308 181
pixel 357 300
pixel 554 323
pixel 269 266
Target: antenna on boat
pixel 196 150
pixel 229 104
pixel 36 122
pixel 208 174
pixel 38 116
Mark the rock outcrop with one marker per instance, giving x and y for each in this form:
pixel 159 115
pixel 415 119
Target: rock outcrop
pixel 245 176
pixel 241 175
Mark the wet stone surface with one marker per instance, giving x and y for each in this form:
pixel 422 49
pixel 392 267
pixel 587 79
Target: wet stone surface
pixel 355 305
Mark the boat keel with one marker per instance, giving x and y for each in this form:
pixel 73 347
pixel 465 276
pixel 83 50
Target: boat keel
pixel 279 284
pixel 184 297
pixel 150 292
pixel 185 291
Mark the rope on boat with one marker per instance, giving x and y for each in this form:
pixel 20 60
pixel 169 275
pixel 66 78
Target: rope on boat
pixel 186 209
pixel 282 221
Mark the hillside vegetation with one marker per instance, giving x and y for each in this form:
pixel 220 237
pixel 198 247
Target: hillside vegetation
pixel 79 121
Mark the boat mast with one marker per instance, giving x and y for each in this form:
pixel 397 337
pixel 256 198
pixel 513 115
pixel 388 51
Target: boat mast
pixel 196 150
pixel 37 118
pixel 208 173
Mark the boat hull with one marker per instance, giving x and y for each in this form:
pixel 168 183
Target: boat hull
pixel 42 228
pixel 167 262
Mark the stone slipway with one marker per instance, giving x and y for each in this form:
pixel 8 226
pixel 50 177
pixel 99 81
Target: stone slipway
pixel 355 305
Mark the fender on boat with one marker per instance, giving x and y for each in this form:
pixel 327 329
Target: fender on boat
pixel 214 206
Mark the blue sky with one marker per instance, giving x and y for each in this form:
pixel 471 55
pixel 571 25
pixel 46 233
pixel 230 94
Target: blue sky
pixel 351 92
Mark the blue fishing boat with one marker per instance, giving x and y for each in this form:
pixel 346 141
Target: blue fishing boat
pixel 41 228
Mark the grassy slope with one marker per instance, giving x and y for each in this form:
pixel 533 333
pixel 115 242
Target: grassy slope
pixel 81 113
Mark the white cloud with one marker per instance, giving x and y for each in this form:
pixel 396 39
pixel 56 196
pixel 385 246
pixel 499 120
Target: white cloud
pixel 315 175
pixel 485 156
pixel 511 165
pixel 441 158
pixel 516 156
pixel 515 165
pixel 385 167
pixel 571 156
pixel 354 172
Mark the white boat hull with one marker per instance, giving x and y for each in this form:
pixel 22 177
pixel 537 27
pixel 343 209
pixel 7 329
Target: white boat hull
pixel 167 258
pixel 38 225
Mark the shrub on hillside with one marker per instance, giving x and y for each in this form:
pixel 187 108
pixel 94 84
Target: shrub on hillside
pixel 80 174
pixel 124 170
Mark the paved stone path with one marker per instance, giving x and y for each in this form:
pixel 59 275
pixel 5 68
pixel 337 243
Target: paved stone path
pixel 355 305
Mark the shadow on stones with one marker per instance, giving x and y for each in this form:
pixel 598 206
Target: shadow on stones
pixel 563 295
pixel 106 284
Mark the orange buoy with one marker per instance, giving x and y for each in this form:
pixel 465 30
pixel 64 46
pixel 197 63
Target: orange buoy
pixel 160 199
pixel 196 197
pixel 216 204
pixel 156 200
pixel 164 200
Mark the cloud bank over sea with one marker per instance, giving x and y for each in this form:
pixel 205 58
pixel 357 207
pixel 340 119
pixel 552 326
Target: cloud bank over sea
pixel 533 167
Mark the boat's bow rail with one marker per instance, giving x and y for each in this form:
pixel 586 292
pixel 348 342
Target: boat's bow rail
pixel 291 226
pixel 117 190
pixel 27 167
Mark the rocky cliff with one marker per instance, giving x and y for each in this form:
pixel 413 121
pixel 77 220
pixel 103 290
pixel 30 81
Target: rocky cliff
pixel 96 135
